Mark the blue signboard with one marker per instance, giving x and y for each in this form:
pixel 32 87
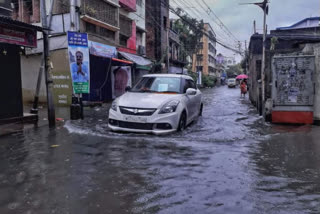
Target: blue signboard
pixel 79 62
pixel 77 39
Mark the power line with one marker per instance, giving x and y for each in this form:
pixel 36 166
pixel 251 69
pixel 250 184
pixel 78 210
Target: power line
pixel 204 33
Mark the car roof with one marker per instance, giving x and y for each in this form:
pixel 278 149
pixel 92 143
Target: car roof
pixel 168 75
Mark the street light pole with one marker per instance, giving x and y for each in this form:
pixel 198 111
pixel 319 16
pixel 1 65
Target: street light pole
pixel 48 79
pixel 264 6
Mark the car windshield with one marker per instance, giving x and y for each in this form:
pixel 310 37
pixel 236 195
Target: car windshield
pixel 158 85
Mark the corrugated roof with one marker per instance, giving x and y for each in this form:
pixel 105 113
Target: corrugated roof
pixel 298 23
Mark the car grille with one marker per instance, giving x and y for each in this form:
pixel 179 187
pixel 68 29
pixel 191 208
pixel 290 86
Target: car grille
pixel 137 111
pixel 131 125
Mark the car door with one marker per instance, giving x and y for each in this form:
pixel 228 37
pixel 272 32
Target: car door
pixel 192 104
pixel 197 98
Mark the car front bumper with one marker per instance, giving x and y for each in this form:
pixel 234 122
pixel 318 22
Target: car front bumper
pixel 155 124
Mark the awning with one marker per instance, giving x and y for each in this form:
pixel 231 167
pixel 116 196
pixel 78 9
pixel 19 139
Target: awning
pixel 122 61
pixel 141 62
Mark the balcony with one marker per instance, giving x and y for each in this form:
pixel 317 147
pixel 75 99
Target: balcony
pixel 129 5
pixel 101 13
pixel 125 26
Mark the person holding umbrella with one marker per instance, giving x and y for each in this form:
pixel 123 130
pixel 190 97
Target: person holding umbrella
pixel 243 88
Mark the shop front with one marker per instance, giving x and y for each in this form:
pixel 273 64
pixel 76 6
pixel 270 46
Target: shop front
pixel 140 67
pixel 14 36
pixel 109 75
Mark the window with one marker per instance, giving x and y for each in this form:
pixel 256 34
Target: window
pixel 165 22
pixel 107 33
pixel 90 28
pixel 123 40
pixel 139 2
pixel 189 84
pixel 258 69
pixel 199 58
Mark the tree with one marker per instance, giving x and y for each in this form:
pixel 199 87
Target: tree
pixel 234 70
pixel 190 32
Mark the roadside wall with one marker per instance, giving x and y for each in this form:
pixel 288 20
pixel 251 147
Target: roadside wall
pixel 29 75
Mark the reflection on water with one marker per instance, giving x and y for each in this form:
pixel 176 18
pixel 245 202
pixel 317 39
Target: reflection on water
pixel 288 170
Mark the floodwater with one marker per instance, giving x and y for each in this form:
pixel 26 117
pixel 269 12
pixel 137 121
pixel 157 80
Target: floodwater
pixel 229 161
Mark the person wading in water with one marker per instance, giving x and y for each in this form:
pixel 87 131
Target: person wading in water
pixel 243 88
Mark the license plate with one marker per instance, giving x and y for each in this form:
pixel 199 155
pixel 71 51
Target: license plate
pixel 135 119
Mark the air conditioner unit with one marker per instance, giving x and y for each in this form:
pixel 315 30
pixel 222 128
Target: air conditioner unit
pixel 141 50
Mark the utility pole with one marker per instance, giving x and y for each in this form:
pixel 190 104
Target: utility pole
pixel 168 48
pixel 34 109
pixel 264 6
pixel 73 15
pixel 48 79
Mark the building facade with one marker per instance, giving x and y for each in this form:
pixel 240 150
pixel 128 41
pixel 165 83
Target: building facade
pixel 286 42
pixel 113 26
pixel 177 59
pixel 205 59
pixel 157 27
pixel 15 37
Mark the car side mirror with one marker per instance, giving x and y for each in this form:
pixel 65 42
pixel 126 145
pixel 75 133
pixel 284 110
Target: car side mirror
pixel 191 91
pixel 128 88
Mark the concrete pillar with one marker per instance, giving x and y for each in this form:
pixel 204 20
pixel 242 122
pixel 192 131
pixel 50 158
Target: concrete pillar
pixel 316 49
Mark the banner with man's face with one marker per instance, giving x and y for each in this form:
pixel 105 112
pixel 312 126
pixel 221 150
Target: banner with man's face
pixel 121 78
pixel 79 62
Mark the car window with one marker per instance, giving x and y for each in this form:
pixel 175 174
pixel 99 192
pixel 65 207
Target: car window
pixel 158 85
pixel 189 84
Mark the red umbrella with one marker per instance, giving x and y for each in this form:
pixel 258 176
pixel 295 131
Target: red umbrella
pixel 242 76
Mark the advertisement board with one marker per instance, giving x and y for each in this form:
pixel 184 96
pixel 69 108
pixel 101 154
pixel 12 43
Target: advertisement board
pixel 79 62
pixel 102 50
pixel 18 36
pixel 121 78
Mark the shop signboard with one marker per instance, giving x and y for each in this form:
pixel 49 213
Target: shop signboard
pixel 79 62
pixel 18 36
pixel 98 49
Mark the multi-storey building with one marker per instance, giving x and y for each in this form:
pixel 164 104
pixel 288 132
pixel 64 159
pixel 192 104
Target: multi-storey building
pixel 15 37
pixel 157 26
pixel 205 59
pixel 177 59
pixel 115 27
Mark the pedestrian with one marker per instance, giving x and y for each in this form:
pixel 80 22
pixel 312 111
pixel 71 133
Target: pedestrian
pixel 243 88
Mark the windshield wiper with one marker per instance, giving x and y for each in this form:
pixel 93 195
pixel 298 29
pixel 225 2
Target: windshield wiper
pixel 168 92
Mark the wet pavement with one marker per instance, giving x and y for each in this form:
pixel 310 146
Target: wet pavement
pixel 229 161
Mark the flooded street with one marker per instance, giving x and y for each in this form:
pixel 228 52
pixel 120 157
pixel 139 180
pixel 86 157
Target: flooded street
pixel 229 161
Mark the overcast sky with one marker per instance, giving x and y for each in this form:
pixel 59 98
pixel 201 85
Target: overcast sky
pixel 239 18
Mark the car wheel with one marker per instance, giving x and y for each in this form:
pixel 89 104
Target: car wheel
pixel 201 109
pixel 182 122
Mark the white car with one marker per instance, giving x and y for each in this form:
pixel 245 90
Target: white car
pixel 157 104
pixel 231 82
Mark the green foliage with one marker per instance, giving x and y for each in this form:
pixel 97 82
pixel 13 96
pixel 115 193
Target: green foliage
pixel 274 41
pixel 234 70
pixel 190 32
pixel 193 75
pixel 208 81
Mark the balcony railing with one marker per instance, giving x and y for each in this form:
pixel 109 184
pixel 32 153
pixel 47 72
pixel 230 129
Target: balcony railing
pixel 101 11
pixel 125 26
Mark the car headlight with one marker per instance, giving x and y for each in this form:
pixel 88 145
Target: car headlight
pixel 169 107
pixel 114 105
